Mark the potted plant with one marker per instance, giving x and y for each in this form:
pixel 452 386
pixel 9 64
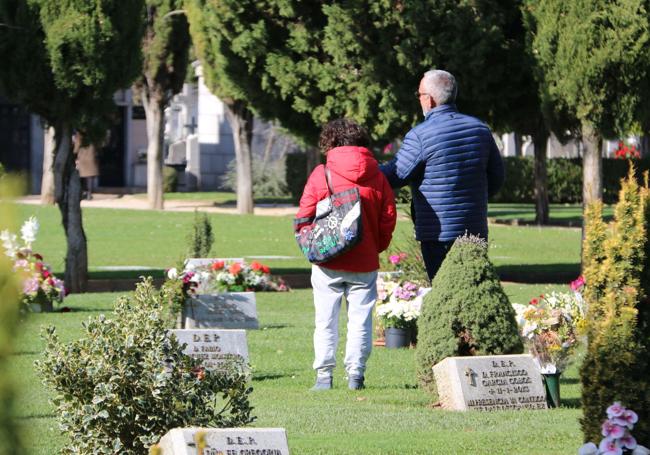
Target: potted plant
pixel 550 326
pixel 41 289
pixel 398 307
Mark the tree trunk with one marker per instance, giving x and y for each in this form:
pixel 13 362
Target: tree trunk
pixel 540 141
pixel 67 186
pixel 154 112
pixel 241 123
pixel 592 166
pixel 47 181
pixel 313 159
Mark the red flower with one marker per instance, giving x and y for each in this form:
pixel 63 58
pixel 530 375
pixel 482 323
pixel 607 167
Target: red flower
pixel 39 266
pixel 38 256
pixel 46 274
pixel 541 296
pixel 266 269
pixel 235 268
pixel 534 301
pixel 256 266
pixel 217 265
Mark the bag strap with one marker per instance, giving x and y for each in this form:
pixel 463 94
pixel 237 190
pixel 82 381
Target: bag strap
pixel 328 180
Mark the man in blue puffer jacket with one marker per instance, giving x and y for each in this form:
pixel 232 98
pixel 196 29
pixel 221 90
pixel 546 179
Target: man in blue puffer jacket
pixel 452 164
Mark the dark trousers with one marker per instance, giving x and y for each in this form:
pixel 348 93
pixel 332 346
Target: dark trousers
pixel 433 254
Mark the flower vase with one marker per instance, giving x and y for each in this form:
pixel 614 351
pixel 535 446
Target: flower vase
pixel 398 338
pixel 552 385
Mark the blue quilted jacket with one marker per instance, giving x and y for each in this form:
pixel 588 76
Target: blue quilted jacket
pixel 452 164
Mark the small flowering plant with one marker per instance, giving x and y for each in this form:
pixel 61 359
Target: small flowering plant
pixel 617 432
pixel 550 326
pixel 626 151
pixel 399 302
pixel 40 287
pixel 220 276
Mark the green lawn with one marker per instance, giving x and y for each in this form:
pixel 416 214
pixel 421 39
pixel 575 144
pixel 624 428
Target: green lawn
pixel 149 239
pixel 560 214
pixel 392 416
pixel 220 198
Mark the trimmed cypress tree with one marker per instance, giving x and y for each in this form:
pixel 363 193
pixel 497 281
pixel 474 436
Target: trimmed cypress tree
pixel 617 363
pixel 466 313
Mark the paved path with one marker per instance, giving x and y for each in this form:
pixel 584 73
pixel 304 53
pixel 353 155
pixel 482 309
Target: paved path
pixel 137 202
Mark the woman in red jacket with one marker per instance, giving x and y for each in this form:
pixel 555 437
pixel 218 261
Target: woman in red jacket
pixel 354 273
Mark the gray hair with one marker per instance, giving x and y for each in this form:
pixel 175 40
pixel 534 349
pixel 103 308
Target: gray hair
pixel 441 85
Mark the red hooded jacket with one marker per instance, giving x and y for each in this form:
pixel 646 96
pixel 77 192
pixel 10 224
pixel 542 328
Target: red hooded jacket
pixel 352 166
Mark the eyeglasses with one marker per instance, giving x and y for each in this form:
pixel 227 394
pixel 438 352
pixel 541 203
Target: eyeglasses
pixel 418 94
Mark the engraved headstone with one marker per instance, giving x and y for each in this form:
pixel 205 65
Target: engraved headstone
pixel 225 441
pixel 191 263
pixel 489 383
pixel 212 346
pixel 228 310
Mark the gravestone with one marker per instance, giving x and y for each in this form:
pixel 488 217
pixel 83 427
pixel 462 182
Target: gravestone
pixel 489 383
pixel 225 441
pixel 214 347
pixel 228 310
pixel 191 263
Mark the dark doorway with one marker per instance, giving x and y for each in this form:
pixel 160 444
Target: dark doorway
pixel 111 154
pixel 15 149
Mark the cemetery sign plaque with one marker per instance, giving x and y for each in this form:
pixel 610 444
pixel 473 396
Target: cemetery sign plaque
pixel 214 347
pixel 225 441
pixel 490 383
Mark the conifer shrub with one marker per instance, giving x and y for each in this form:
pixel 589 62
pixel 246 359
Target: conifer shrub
pixel 200 238
pixel 467 311
pixel 126 382
pixel 616 267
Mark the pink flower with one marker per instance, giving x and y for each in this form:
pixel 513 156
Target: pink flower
pixel 388 148
pixel 627 419
pixel 394 259
pixel 30 285
pixel 617 408
pixel 612 430
pixel 628 441
pixel 577 283
pixel 610 446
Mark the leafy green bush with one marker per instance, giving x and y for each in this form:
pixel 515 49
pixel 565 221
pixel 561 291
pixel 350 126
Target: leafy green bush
pixel 200 237
pixel 9 293
pixel 296 174
pixel 268 180
pixel 467 311
pixel 564 179
pixel 170 179
pixel 616 265
pixel 122 386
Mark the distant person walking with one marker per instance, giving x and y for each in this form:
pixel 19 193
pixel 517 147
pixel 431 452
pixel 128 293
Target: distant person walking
pixel 86 161
pixel 354 273
pixel 452 165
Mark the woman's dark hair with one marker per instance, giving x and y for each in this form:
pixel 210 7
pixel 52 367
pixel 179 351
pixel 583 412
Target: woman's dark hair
pixel 341 132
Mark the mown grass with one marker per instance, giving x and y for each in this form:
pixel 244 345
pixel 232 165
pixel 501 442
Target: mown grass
pixel 150 239
pixel 391 416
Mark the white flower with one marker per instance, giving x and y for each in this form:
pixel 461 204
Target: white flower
pixel 172 273
pixel 29 231
pixel 640 450
pixel 588 449
pixel 9 243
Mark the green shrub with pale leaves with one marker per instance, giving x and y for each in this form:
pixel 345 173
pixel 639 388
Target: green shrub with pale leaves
pixel 126 382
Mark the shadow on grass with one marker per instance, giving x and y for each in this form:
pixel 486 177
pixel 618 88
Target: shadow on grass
pixel 275 326
pixel 539 273
pixel 572 403
pixel 569 381
pixel 36 416
pixel 269 377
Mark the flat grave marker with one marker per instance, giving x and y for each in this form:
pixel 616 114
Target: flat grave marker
pixel 212 346
pixel 226 441
pixel 490 383
pixel 228 310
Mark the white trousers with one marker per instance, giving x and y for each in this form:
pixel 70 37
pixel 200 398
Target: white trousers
pixel 360 291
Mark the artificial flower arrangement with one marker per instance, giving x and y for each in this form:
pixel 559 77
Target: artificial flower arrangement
pixel 398 299
pixel 220 276
pixel 551 325
pixel 41 289
pixel 617 432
